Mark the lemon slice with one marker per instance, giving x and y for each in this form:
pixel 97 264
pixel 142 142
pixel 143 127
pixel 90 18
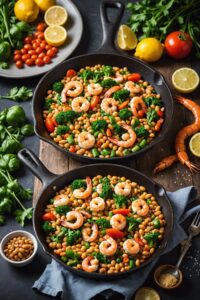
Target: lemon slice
pixel 126 39
pixel 185 80
pixel 147 293
pixel 195 144
pixel 55 35
pixel 56 15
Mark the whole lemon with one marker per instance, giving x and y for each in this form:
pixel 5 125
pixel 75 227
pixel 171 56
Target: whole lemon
pixel 26 10
pixel 149 49
pixel 45 4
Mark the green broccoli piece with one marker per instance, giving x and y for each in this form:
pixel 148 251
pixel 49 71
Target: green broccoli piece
pixel 66 117
pixel 103 223
pixel 151 116
pixel 107 83
pixel 141 132
pixel 47 227
pixel 151 238
pixel 47 103
pixel 101 258
pixel 133 223
pixel 78 183
pixel 152 101
pixel 121 95
pixel 62 210
pixel 108 71
pixel 86 75
pixel 106 188
pixel 58 86
pixel 120 200
pixel 99 125
pixel 97 76
pixel 116 127
pixel 62 129
pixel 125 113
pixel 73 236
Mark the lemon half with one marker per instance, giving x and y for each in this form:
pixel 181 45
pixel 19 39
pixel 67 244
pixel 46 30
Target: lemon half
pixel 126 38
pixel 55 35
pixel 185 80
pixel 56 15
pixel 146 293
pixel 195 144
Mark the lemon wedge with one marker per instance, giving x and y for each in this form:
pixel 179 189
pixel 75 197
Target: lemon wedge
pixel 195 144
pixel 185 80
pixel 55 35
pixel 147 293
pixel 56 15
pixel 126 38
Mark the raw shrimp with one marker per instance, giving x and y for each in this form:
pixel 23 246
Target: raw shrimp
pixel 108 247
pixel 131 247
pixel 78 193
pixel 118 221
pixel 80 104
pixel 140 207
pixel 165 163
pixel 111 91
pixel 137 104
pixel 90 264
pixel 109 105
pixel 123 188
pixel 94 89
pixel 130 138
pixel 86 140
pixel 71 89
pixel 90 234
pixel 74 220
pixel 132 88
pixel 61 199
pixel 97 204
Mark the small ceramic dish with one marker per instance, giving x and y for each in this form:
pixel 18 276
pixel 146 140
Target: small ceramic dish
pixel 13 234
pixel 162 269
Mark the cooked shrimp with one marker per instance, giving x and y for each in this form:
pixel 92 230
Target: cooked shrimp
pixel 159 124
pixel 165 163
pixel 61 199
pixel 132 88
pixel 97 204
pixel 90 264
pixel 78 193
pixel 130 138
pixel 94 89
pixel 108 247
pixel 112 90
pixel 99 188
pixel 140 207
pixel 137 104
pixel 90 234
pixel 80 104
pixel 123 188
pixel 131 247
pixel 85 214
pixel 71 89
pixel 118 77
pixel 74 220
pixel 118 221
pixel 109 105
pixel 86 140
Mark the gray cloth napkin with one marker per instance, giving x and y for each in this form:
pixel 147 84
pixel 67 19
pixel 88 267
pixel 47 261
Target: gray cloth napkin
pixel 56 279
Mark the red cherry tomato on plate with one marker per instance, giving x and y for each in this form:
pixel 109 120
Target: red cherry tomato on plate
pixel 47 59
pixel 34 57
pixel 48 217
pixel 115 233
pixel 121 211
pixel 51 52
pixel 28 46
pixel 48 47
pixel 25 57
pixel 17 57
pixel 134 77
pixel 41 26
pixel 29 62
pixel 28 40
pixel 19 64
pixel 39 62
pixel 41 55
pixel 16 52
pixel 178 44
pixel 23 51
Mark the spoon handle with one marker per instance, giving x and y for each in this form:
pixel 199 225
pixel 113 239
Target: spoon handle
pixel 184 250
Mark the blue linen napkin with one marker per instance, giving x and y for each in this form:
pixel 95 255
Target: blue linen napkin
pixel 55 279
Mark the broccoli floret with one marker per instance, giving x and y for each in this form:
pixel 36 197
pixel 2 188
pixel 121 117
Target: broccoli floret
pixel 73 236
pixel 107 83
pixel 78 183
pixel 108 70
pixel 47 227
pixel 151 238
pixel 103 223
pixel 99 125
pixel 86 75
pixel 47 103
pixel 58 86
pixel 125 113
pixel 120 200
pixel 121 95
pixel 65 117
pixel 151 116
pixel 97 76
pixel 62 210
pixel 133 223
pixel 62 129
pixel 106 188
pixel 141 132
pixel 116 127
pixel 102 258
pixel 152 101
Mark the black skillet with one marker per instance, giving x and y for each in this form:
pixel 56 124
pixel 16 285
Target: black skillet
pixel 106 55
pixel 53 183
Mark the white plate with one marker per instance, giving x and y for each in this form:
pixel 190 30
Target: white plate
pixel 74 27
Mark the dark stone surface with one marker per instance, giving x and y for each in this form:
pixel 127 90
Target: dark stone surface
pixel 16 283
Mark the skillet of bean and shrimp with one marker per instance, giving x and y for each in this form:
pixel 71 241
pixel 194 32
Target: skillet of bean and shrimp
pixel 104 224
pixel 103 112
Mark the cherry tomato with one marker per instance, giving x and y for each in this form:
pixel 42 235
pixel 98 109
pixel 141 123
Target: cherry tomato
pixel 35 45
pixel 51 53
pixel 25 57
pixel 43 45
pixel 122 211
pixel 72 149
pixel 41 26
pixel 17 57
pixel 19 64
pixel 178 44
pixel 55 49
pixel 38 41
pixel 41 55
pixel 48 47
pixel 141 113
pixel 49 124
pixel 139 241
pixel 95 100
pixel 28 40
pixel 16 52
pixel 71 73
pixel 28 46
pixel 31 52
pixel 160 113
pixel 40 35
pixel 23 51
pixel 134 77
pixel 47 59
pixel 38 50
pixel 39 62
pixel 34 57
pixel 48 217
pixel 36 34
pixel 115 233
pixel 29 62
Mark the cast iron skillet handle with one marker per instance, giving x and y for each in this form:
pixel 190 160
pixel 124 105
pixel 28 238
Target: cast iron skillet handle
pixel 109 28
pixel 36 166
